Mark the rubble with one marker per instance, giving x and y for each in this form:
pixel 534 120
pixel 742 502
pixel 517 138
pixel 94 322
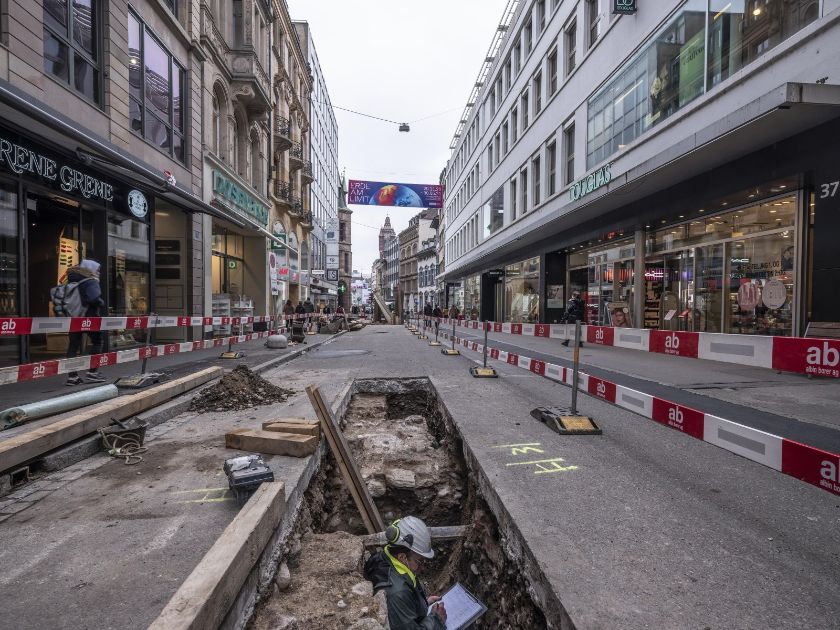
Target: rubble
pixel 239 389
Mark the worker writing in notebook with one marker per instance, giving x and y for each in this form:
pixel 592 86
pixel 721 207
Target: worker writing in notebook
pixel 394 570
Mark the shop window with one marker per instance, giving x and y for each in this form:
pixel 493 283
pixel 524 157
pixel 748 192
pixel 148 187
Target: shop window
pixel 741 32
pixel 156 91
pixel 9 268
pixel 472 297
pixel 128 266
pixel 522 302
pixel 71 45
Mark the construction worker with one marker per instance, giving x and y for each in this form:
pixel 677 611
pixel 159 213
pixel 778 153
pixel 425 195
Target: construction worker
pixel 394 570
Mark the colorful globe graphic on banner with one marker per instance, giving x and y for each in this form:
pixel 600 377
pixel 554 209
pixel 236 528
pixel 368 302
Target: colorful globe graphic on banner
pixel 396 195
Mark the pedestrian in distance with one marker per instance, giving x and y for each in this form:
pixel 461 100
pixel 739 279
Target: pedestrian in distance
pixel 288 313
pixel 395 570
pixel 427 314
pixel 574 312
pixel 300 310
pixel 309 308
pixel 85 277
pixel 454 312
pixel 437 314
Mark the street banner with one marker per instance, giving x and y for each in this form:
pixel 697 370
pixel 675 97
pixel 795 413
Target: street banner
pixel 391 194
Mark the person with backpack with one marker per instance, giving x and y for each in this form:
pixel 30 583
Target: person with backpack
pixel 575 312
pixel 81 297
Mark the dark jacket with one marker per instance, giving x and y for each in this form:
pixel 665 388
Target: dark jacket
pixel 309 307
pixel 427 310
pixel 437 312
pixel 574 310
pixel 89 290
pixel 299 309
pixel 407 605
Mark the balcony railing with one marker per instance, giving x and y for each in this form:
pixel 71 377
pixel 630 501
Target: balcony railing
pixel 283 190
pixel 282 133
pixel 306 172
pixel 296 156
pixel 297 205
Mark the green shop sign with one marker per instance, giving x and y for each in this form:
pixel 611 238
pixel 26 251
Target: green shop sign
pixel 591 182
pixel 223 187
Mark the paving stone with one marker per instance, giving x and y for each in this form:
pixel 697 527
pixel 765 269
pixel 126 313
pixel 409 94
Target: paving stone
pixel 37 496
pixel 15 507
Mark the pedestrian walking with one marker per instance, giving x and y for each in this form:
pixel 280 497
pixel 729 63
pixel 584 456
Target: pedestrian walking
pixel 85 276
pixel 309 308
pixel 574 312
pixel 288 313
pixel 437 314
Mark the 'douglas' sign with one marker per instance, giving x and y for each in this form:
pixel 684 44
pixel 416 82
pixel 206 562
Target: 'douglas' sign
pixel 624 7
pixel 591 182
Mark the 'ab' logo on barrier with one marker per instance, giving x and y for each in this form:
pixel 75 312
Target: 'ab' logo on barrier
pixel 675 415
pixel 823 357
pixel 672 342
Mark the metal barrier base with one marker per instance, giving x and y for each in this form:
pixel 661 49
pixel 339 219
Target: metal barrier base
pixel 139 381
pixel 564 423
pixel 434 343
pixel 483 372
pixel 450 352
pixel 232 354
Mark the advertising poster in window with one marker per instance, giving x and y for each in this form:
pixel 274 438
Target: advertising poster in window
pixel 391 194
pixel 619 314
pixel 554 298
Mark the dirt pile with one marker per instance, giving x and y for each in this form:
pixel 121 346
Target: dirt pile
pixel 239 389
pixel 326 591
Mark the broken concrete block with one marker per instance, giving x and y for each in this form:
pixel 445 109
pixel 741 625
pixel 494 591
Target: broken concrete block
pixel 286 426
pixel 376 488
pixel 283 579
pixel 400 478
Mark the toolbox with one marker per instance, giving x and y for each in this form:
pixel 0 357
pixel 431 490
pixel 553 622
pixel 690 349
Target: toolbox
pixel 245 474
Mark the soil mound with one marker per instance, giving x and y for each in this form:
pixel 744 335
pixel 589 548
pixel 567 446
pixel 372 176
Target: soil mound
pixel 239 389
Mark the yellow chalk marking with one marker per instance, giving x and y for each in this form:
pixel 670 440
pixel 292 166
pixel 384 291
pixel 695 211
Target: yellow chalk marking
pixel 217 500
pixel 536 461
pixel 207 498
pixel 517 445
pixel 524 450
pixel 199 490
pixel 556 468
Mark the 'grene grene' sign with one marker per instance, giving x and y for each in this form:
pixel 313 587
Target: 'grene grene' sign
pixel 223 187
pixel 591 182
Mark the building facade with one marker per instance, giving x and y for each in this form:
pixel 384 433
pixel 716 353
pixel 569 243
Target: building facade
pixel 345 247
pixel 386 232
pixel 323 190
pixel 669 164
pixel 391 284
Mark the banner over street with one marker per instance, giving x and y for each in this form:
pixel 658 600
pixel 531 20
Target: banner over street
pixel 400 195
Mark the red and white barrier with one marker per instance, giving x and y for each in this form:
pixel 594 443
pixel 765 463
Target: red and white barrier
pixel 812 465
pixel 802 355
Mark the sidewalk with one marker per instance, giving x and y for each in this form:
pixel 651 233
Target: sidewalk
pixel 641 527
pixel 790 405
pixel 173 366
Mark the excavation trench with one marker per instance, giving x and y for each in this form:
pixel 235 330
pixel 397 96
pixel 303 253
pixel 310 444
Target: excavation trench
pixel 413 461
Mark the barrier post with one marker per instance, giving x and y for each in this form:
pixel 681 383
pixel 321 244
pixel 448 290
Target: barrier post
pixel 451 352
pixel 575 368
pixel 437 329
pixel 424 335
pixel 230 353
pixel 143 379
pixel 484 371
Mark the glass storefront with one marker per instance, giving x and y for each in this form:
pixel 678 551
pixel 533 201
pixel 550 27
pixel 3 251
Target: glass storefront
pixel 522 298
pixel 472 297
pixel 9 267
pixel 604 278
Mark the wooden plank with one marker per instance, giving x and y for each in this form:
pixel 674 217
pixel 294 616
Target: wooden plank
pixel 29 445
pixel 205 597
pixel 271 442
pixel 439 534
pixel 346 463
pixel 288 427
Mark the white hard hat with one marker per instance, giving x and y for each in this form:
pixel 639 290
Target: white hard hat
pixel 413 533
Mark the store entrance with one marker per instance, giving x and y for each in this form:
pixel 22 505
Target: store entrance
pixel 61 233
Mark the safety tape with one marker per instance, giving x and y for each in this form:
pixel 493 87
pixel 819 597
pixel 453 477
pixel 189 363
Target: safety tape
pixel 15 326
pixel 807 463
pixel 43 369
pixel 802 355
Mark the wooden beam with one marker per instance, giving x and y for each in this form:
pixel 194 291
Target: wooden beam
pixel 284 426
pixel 31 444
pixel 271 442
pixel 346 463
pixel 205 597
pixel 439 534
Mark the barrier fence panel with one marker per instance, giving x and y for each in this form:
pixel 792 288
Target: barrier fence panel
pixel 807 463
pixel 800 355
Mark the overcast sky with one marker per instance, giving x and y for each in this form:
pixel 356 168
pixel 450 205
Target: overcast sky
pixel 402 61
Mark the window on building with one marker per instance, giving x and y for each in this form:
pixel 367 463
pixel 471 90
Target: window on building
pixel 569 148
pixel 536 176
pixel 551 175
pixel 217 125
pixel 156 91
pixel 71 45
pixel 540 16
pixel 552 72
pixel 239 30
pixel 570 37
pixel 528 35
pixel 514 125
pixel 593 21
pixel 523 104
pixel 507 75
pixel 256 162
pixel 497 147
pixel 342 232
pixel 505 138
pixel 537 87
pixel 517 58
pixel 513 199
pixel 523 190
pixel 489 157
